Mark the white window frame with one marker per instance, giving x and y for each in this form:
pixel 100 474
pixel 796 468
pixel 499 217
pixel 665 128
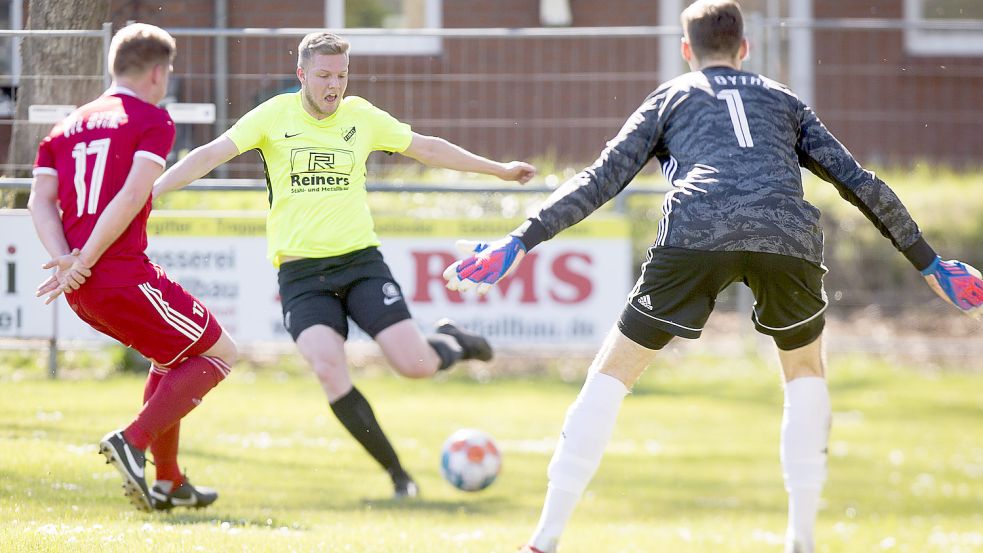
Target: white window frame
pixel 388 44
pixel 935 42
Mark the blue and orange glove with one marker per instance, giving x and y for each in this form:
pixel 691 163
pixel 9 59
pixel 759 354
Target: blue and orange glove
pixel 957 283
pixel 485 264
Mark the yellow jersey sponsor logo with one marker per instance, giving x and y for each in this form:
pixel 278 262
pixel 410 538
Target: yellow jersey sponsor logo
pixel 320 169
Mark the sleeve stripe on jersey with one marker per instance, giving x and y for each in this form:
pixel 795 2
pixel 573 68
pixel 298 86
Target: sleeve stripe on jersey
pixel 45 171
pixel 151 156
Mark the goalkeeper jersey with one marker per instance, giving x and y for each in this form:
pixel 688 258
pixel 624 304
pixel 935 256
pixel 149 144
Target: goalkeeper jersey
pixel 315 172
pixel 731 143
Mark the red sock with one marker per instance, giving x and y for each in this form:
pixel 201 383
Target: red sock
pixel 165 447
pixel 176 394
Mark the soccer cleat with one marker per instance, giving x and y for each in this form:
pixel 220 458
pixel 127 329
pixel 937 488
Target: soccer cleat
pixel 130 462
pixel 473 346
pixel 404 487
pixel 186 495
pixel 530 549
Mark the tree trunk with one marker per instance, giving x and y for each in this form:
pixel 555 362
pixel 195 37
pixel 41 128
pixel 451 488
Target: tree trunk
pixel 56 70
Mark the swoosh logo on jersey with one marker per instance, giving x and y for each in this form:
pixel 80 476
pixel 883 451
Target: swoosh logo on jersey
pixel 390 301
pixel 288 135
pixel 135 468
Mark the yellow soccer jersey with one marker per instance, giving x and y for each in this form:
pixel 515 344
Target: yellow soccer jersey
pixel 315 171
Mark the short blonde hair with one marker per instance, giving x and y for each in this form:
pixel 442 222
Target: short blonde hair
pixel 138 47
pixel 320 42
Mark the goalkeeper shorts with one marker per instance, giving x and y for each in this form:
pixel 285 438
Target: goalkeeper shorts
pixel 678 289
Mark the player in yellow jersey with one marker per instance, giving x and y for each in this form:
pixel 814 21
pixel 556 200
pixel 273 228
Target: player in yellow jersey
pixel 320 235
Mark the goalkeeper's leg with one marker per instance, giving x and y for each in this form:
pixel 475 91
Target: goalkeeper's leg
pixel 586 431
pixel 805 433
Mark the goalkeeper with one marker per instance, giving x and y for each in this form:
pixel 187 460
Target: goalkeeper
pixel 731 144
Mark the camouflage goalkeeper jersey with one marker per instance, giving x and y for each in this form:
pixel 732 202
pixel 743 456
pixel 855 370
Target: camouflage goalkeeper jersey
pixel 730 144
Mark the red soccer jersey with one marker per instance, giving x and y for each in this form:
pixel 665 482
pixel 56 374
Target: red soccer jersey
pixel 91 152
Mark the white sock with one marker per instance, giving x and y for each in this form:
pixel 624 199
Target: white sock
pixel 586 431
pixel 805 433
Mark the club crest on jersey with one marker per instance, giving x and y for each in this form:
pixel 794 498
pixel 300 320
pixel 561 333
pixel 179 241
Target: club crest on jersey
pixel 349 135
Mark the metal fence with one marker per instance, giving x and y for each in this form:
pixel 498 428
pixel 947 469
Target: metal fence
pixel 559 94
pixel 556 95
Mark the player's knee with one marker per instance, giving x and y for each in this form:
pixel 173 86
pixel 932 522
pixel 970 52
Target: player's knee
pixel 225 349
pixel 415 366
pixel 331 370
pixel 803 363
pixel 802 371
pixel 417 371
pixel 805 360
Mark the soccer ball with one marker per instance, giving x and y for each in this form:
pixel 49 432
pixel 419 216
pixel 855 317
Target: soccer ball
pixel 470 460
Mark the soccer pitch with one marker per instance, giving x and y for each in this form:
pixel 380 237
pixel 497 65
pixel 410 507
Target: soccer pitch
pixel 693 465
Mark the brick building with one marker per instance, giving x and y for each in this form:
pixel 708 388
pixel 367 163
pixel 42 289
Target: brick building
pixel 893 95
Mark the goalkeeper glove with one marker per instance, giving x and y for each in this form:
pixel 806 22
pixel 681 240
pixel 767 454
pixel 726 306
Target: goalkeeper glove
pixel 485 264
pixel 958 283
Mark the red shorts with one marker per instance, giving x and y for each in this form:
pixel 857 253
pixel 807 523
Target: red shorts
pixel 158 318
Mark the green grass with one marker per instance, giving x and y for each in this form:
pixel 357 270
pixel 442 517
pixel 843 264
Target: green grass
pixel 692 467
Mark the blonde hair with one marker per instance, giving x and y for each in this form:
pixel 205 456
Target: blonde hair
pixel 321 42
pixel 714 28
pixel 138 47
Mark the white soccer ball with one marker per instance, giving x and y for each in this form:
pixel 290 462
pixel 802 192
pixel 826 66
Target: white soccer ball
pixel 470 460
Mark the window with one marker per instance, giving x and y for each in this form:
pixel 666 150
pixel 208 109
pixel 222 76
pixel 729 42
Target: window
pixel 387 14
pixel 10 19
pixel 954 41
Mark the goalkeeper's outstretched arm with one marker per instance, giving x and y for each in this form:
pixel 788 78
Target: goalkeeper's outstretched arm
pixel 195 165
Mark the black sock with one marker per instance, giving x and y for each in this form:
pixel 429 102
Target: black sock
pixel 355 413
pixel 447 349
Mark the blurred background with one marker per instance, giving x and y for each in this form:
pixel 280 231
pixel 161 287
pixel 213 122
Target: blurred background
pixel 549 81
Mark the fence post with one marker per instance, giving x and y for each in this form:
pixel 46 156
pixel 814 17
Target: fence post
pixel 801 61
pixel 53 344
pixel 107 38
pixel 221 76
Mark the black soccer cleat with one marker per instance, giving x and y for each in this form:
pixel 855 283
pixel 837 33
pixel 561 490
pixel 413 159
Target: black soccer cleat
pixel 130 462
pixel 473 346
pixel 164 498
pixel 403 486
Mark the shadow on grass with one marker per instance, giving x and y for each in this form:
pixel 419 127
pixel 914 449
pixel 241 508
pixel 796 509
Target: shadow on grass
pixel 201 516
pixel 422 505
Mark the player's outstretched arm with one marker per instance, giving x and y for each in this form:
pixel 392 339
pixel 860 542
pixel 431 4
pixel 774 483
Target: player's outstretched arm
pixel 624 156
pixel 957 283
pixel 484 264
pixel 433 151
pixel 195 165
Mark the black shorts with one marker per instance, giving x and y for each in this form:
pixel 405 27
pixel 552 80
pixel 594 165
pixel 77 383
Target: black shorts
pixel 328 291
pixel 678 289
